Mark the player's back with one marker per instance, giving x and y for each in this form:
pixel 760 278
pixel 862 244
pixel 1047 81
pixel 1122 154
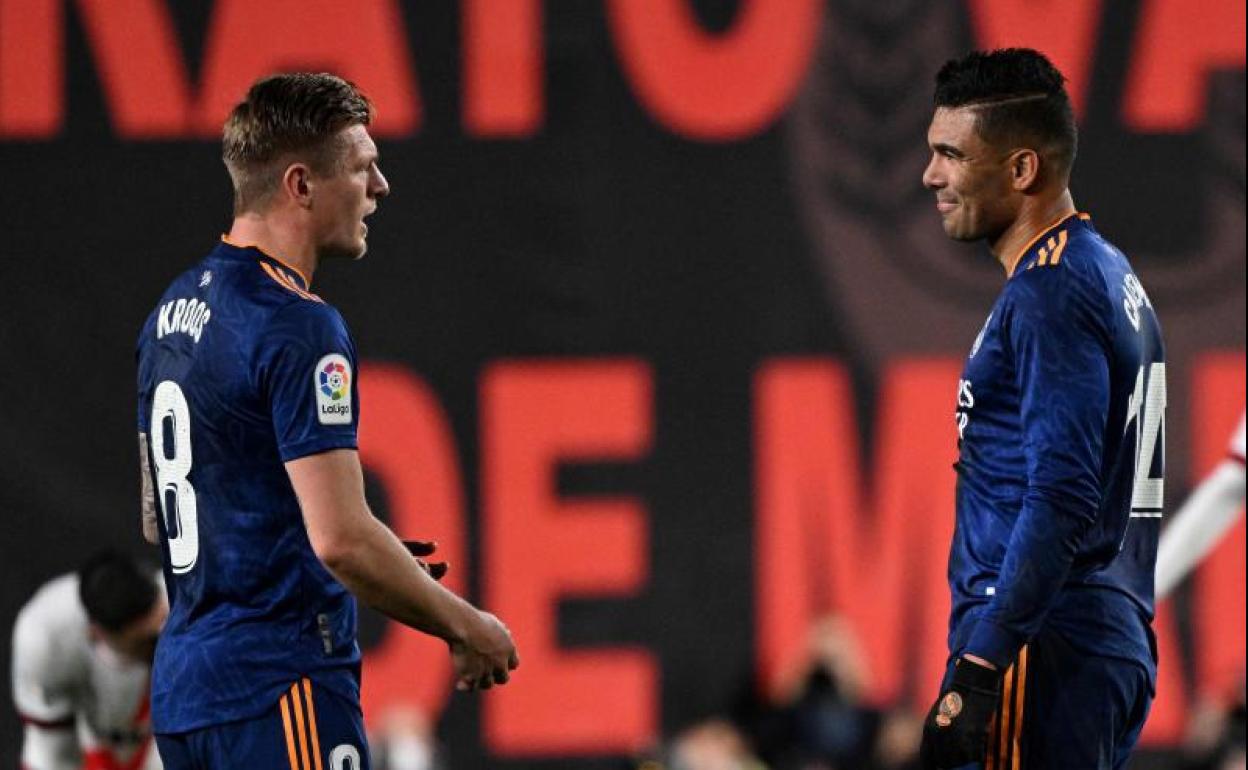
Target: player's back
pixel 241 369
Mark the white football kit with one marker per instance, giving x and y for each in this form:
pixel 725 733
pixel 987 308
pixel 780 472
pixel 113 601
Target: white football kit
pixel 84 707
pixel 1208 513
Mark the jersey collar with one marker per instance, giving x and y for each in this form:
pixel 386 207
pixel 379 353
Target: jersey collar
pixel 246 249
pixel 1019 265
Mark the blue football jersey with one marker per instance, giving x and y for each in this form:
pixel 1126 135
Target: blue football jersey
pixel 240 369
pixel 1061 425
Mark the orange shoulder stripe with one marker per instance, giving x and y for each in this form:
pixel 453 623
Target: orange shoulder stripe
pixel 288 283
pixel 1057 250
pixel 1046 231
pixel 277 259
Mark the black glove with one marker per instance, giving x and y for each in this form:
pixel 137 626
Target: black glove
pixel 422 548
pixel 955 732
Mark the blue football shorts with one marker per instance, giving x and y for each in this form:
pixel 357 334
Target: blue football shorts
pixel 309 728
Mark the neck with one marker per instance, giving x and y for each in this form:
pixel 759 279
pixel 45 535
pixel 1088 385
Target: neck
pixel 1031 221
pixel 270 234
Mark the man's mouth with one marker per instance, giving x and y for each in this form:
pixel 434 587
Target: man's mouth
pixel 945 207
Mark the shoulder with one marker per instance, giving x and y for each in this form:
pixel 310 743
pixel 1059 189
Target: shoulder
pixel 305 320
pixel 280 312
pixel 50 628
pixel 1069 274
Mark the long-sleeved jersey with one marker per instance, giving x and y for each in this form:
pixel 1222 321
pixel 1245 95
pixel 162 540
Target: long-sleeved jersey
pixel 241 370
pixel 1061 424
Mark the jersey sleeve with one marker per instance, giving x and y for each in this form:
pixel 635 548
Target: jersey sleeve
pixel 50 749
pixel 307 367
pixel 1058 332
pixel 42 690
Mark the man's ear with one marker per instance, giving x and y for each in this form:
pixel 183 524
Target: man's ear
pixel 1024 169
pixel 297 184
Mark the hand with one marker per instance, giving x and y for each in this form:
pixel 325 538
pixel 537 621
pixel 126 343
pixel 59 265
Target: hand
pixel 485 656
pixel 955 732
pixel 421 548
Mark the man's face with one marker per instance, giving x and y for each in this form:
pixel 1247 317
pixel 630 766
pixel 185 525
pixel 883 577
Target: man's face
pixel 137 641
pixel 971 179
pixel 347 196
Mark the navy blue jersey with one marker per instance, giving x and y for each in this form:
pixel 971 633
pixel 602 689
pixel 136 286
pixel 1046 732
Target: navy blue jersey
pixel 1061 414
pixel 240 370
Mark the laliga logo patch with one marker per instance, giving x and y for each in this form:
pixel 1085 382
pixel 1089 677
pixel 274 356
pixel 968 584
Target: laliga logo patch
pixel 332 380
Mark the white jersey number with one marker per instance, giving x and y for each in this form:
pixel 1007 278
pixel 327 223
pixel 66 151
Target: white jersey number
pixel 177 496
pixel 1147 411
pixel 345 757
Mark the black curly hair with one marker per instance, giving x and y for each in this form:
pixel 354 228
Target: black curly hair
pixel 1019 97
pixel 115 590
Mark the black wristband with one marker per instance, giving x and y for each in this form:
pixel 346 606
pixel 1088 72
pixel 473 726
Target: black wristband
pixel 968 676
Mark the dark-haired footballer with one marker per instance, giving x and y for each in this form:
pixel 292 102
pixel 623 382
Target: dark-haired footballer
pixel 82 659
pixel 248 414
pixel 1061 425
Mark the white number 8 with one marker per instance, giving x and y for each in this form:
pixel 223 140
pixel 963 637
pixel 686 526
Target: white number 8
pixel 345 757
pixel 182 523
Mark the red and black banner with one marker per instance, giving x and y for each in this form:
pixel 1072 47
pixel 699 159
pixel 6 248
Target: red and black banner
pixel 660 332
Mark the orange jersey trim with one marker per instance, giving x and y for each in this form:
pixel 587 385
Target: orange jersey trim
pixel 290 737
pixel 1040 235
pixel 1005 730
pixel 299 726
pixel 287 282
pixel 312 731
pixel 278 260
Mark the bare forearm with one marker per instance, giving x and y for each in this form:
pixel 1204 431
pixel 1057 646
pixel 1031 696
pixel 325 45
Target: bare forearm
pixel 377 568
pixel 147 495
pixel 365 555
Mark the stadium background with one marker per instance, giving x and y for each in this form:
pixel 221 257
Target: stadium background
pixel 659 328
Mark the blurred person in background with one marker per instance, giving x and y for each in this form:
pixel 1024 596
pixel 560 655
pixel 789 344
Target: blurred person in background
pixel 1215 729
pixel 822 721
pixel 715 744
pixel 1216 734
pixel 1060 417
pixel 405 741
pixel 82 656
pixel 1207 515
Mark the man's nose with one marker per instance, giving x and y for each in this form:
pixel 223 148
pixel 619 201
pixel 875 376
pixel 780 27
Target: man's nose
pixel 381 188
pixel 931 179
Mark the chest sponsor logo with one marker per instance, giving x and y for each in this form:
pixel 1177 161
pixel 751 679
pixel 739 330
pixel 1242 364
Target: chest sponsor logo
pixel 966 402
pixel 979 338
pixel 332 381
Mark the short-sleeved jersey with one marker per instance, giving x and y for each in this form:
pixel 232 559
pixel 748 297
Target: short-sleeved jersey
pixel 241 369
pixel 64 681
pixel 1061 455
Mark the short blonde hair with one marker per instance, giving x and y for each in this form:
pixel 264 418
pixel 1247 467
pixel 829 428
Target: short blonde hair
pixel 298 114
